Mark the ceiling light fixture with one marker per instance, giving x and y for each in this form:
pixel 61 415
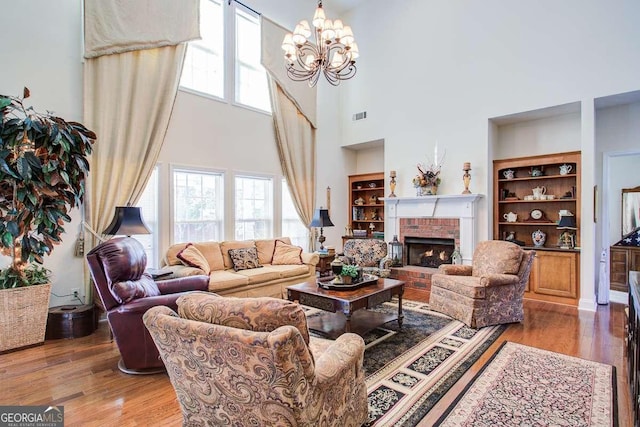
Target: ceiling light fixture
pixel 333 53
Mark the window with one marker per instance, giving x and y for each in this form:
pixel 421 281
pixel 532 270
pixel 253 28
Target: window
pixel 254 208
pixel 203 69
pixel 198 206
pixel 226 62
pixel 148 203
pixel 291 224
pixel 251 87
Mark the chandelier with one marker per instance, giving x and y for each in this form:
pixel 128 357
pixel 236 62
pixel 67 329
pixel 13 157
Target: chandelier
pixel 332 52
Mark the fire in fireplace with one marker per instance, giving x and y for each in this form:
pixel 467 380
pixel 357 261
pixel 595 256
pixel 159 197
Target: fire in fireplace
pixel 428 251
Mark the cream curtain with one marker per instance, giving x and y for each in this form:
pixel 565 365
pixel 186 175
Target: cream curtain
pixel 296 141
pixel 128 102
pixel 293 107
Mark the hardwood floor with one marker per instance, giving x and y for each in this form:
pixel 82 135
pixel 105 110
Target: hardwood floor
pixel 81 374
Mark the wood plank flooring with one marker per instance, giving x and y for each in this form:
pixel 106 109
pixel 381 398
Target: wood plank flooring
pixel 81 374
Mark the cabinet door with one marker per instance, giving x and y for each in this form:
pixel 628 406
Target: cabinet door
pixel 618 269
pixel 634 261
pixel 556 274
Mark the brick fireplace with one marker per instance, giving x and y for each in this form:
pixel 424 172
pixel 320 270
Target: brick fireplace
pixel 434 220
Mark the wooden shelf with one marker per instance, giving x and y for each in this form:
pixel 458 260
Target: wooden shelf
pixel 555 274
pixel 368 195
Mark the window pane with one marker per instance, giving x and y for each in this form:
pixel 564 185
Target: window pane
pixel 254 212
pixel 149 205
pixel 292 226
pixel 204 63
pixel 251 78
pixel 198 206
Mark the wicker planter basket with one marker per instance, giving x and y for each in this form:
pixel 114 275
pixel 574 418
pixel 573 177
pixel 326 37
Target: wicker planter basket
pixel 23 316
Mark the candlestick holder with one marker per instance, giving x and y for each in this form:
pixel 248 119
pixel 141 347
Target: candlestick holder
pixel 392 183
pixel 466 178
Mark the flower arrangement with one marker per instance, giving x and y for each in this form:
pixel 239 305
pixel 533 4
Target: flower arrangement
pixel 427 176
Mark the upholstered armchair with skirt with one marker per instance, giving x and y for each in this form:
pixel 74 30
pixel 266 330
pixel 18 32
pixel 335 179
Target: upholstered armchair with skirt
pixel 488 292
pixel 370 254
pixel 126 292
pixel 251 362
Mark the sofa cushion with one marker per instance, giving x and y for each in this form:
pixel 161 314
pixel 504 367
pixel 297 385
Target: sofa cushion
pixel 265 248
pixel 212 253
pixel 262 314
pixel 232 244
pixel 259 275
pixel 221 280
pixel 192 257
pixel 290 270
pixel 284 253
pixel 244 258
pixel 496 257
pixel 171 257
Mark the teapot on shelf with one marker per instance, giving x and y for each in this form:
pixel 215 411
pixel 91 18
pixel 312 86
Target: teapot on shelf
pixel 510 217
pixel 565 169
pixel 538 192
pixel 536 171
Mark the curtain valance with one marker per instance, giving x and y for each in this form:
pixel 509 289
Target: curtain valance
pixel 117 26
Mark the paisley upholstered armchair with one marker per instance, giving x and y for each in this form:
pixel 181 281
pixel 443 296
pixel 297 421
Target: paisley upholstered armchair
pixel 490 291
pixel 370 254
pixel 250 361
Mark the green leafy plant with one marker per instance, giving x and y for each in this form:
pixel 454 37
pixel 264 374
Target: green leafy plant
pixel 43 167
pixel 349 270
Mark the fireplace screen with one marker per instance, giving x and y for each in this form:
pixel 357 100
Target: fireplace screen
pixel 428 252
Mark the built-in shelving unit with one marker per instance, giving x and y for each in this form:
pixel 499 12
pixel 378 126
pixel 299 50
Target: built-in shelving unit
pixel 529 193
pixel 366 207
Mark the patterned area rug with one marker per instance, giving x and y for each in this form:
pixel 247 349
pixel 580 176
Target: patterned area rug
pixel 523 385
pixel 409 369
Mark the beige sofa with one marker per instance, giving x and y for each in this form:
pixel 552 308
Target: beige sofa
pixel 267 281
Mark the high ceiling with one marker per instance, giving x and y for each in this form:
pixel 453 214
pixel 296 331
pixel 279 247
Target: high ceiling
pixel 342 5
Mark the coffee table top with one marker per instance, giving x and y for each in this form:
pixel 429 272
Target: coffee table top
pixel 312 288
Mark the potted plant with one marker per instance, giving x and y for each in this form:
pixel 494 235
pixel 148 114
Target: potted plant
pixel 43 166
pixel 349 273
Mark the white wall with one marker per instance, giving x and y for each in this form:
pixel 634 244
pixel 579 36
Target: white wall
pixel 42 50
pixel 438 70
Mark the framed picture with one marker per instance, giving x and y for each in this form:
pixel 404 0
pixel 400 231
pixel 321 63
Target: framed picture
pixel 630 209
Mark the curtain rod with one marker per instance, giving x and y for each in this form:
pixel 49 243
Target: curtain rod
pixel 244 5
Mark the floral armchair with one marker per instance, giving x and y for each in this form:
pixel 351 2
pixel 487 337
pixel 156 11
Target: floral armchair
pixel 250 361
pixel 490 291
pixel 370 254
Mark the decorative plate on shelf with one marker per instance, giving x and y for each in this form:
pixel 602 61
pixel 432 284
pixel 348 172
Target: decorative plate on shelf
pixel 538 237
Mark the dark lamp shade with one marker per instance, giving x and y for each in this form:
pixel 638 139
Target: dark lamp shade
pixel 127 221
pixel 567 222
pixel 321 219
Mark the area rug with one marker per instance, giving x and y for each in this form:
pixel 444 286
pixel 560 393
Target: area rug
pixel 523 385
pixel 409 369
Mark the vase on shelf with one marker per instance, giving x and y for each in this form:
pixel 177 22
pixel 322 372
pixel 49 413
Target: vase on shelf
pixel 539 238
pixel 429 190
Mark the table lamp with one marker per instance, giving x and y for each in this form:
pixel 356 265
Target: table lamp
pixel 321 219
pixel 567 223
pixel 127 221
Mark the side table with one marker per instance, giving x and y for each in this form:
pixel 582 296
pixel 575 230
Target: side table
pixel 323 268
pixel 70 321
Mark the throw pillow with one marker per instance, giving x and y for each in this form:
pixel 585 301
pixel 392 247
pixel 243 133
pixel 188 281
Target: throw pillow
pixel 244 258
pixel 284 253
pixel 192 257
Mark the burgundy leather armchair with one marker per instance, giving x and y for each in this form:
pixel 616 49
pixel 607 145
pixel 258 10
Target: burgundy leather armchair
pixel 118 270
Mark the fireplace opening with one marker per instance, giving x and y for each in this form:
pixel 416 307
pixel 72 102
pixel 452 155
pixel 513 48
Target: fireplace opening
pixel 428 251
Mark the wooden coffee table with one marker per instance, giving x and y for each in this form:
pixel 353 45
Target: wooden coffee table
pixel 346 310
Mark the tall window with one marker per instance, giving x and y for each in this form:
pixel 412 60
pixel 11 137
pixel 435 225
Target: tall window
pixel 254 208
pixel 226 62
pixel 198 206
pixel 149 205
pixel 291 224
pixel 250 76
pixel 203 69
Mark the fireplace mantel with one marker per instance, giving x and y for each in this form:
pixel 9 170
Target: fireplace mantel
pixel 460 206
